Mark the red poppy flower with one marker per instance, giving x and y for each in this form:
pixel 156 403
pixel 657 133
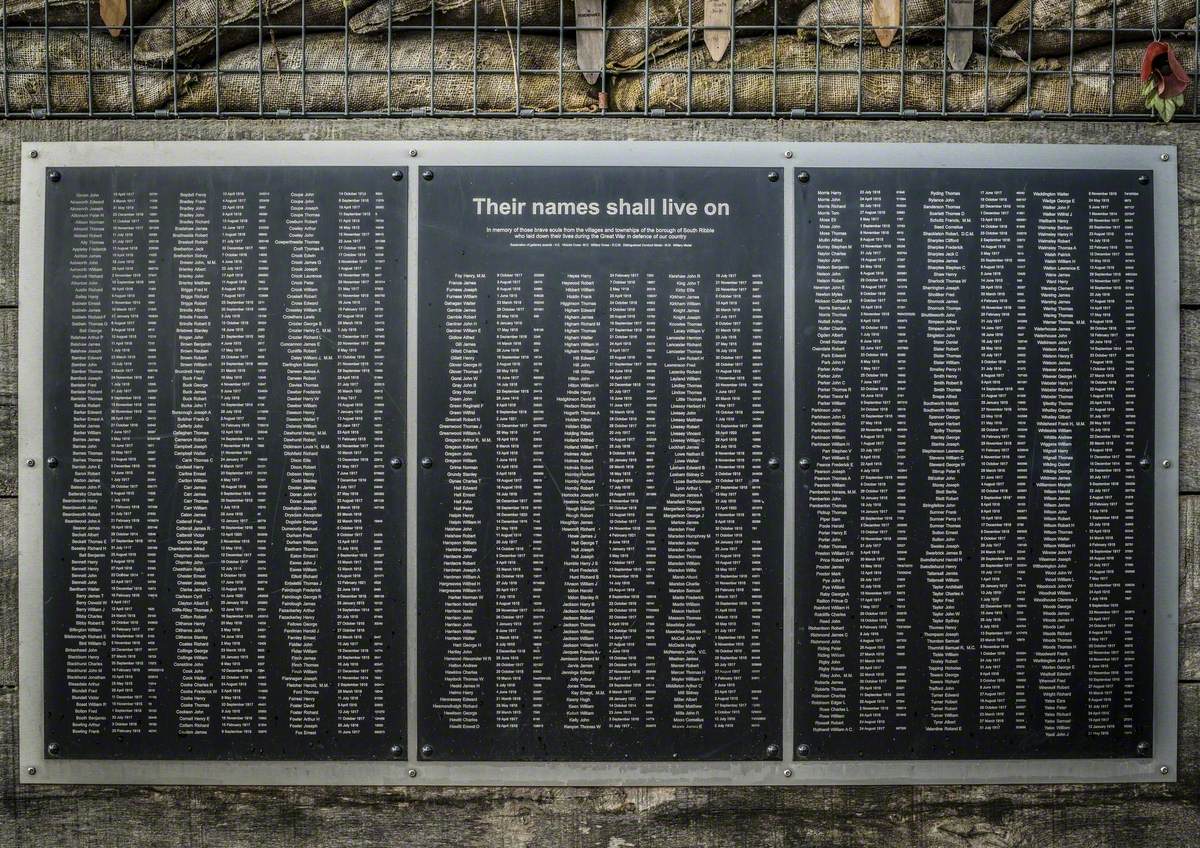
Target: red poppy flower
pixel 1160 65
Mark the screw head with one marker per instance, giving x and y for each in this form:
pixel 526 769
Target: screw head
pixel 773 176
pixel 805 463
pixel 802 750
pixel 32 770
pixel 1166 157
pixel 772 750
pixel 1144 180
pixel 30 462
pixel 412 152
pixel 396 750
pixel 426 750
pixel 54 176
pixel 427 462
pixel 788 154
pixel 427 175
pixel 33 154
pixel 396 462
pixel 412 772
pixel 802 176
pixel 787 772
pixel 1164 770
pixel 52 461
pixel 1143 748
pixel 52 748
pixel 773 462
pixel 1166 463
pixel 397 175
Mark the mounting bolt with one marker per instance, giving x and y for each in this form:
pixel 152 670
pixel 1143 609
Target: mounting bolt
pixel 30 462
pixel 33 154
pixel 1144 749
pixel 413 152
pixel 427 175
pixel 773 176
pixel 396 750
pixel 802 750
pixel 1164 771
pixel 1166 157
pixel 54 176
pixel 1166 463
pixel 805 463
pixel 426 750
pixel 412 772
pixel 773 462
pixel 787 772
pixel 802 176
pixel 52 461
pixel 396 462
pixel 1144 180
pixel 787 154
pixel 32 770
pixel 52 749
pixel 772 750
pixel 397 175
pixel 427 462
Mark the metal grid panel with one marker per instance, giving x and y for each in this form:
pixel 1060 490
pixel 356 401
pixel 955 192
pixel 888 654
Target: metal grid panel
pixel 102 74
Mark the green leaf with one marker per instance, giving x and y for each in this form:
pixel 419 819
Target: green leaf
pixel 1168 111
pixel 1147 88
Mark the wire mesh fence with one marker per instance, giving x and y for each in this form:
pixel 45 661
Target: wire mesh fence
pixel 784 58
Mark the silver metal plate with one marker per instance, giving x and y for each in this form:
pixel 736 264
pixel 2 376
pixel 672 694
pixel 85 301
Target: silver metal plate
pixel 1161 160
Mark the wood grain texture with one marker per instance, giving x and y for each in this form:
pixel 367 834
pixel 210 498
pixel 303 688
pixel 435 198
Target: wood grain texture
pixel 928 817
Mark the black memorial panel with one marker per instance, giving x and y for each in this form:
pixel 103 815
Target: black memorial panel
pixel 974 430
pixel 600 413
pixel 224 530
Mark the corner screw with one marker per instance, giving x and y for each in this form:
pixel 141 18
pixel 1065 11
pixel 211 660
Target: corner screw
pixel 396 750
pixel 773 176
pixel 412 772
pixel 52 462
pixel 1143 748
pixel 397 175
pixel 787 772
pixel 1144 462
pixel 427 175
pixel 32 770
pixel 413 152
pixel 802 750
pixel 426 750
pixel 787 154
pixel 773 462
pixel 1166 157
pixel 54 176
pixel 396 462
pixel 426 462
pixel 33 154
pixel 805 463
pixel 772 750
pixel 1144 180
pixel 1164 771
pixel 1166 463
pixel 30 463
pixel 52 749
pixel 802 176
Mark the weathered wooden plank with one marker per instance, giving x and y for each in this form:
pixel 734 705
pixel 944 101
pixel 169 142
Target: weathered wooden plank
pixel 1189 401
pixel 1189 588
pixel 8 402
pixel 12 133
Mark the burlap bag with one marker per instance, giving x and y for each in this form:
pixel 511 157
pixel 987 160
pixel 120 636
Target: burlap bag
pixel 533 13
pixel 195 38
pixel 70 12
pixel 1089 91
pixel 923 20
pixel 26 61
pixel 326 87
pixel 628 49
pixel 796 84
pixel 1052 19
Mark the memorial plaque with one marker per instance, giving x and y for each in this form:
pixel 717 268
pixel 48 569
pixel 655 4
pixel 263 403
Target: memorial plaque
pixel 975 422
pixel 603 463
pixel 600 400
pixel 224 536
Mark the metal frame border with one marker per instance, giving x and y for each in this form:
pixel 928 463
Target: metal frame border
pixel 35 767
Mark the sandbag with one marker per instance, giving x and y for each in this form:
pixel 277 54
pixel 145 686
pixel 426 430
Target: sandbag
pixel 196 29
pixel 1090 90
pixel 795 86
pixel 1052 19
pixel 326 87
pixel 27 59
pixel 533 13
pixel 629 49
pixel 71 13
pixel 839 20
